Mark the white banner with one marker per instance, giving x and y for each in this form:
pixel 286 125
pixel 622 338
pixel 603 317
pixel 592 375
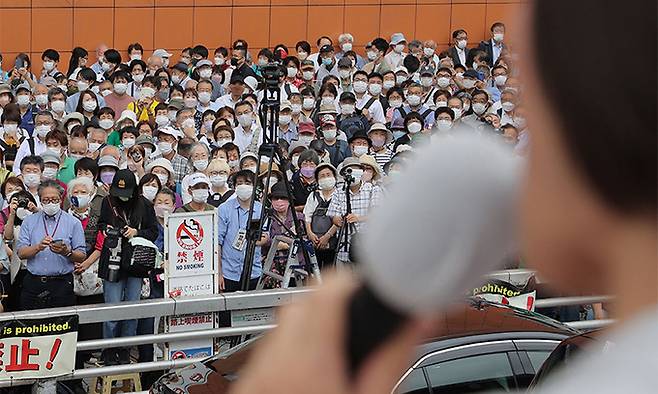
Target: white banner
pixel 37 348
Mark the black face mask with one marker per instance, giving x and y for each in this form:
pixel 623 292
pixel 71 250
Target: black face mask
pixel 234 62
pixel 194 61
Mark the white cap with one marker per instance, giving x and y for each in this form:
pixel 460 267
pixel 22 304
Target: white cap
pixel 127 114
pixel 198 177
pixel 170 131
pixel 162 53
pixel 251 82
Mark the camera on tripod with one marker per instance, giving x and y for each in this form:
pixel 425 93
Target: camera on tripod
pixel 272 74
pixel 347 175
pixel 113 243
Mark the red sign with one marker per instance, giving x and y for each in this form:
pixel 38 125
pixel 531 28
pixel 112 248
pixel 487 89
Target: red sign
pixel 189 234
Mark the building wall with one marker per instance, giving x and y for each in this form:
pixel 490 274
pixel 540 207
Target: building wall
pixel 34 25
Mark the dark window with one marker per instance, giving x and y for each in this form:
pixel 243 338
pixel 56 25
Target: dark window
pixel 537 358
pixel 472 374
pixel 414 383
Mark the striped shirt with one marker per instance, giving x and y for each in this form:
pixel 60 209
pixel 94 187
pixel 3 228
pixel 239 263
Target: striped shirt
pixel 382 157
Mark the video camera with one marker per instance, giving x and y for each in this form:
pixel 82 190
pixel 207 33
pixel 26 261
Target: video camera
pixel 272 74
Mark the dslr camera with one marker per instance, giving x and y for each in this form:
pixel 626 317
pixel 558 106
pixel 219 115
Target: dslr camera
pixel 113 240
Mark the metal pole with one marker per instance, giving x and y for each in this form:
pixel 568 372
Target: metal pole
pixel 563 301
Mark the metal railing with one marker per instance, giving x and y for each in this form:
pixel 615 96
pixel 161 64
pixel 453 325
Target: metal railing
pixel 215 303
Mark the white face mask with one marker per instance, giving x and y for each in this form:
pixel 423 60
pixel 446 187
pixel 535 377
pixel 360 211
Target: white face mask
pixel 327 183
pixel 206 73
pixel 128 142
pixel 327 101
pixel 51 209
pixel 479 108
pixel 292 72
pixel 163 178
pixel 136 56
pixel 161 210
pixel 165 147
pixel 106 124
pixel 389 84
pixel 357 174
pixel 188 123
pixel 346 46
pixel 372 55
pixel 296 108
pixel 89 105
pixel 395 103
pixel 329 134
pixel 243 192
pixel 10 128
pixel 413 100
pixel 120 87
pixel 347 109
pixel 22 213
pixel 41 99
pixel 138 78
pixel 441 104
pixel 344 74
pixel 49 65
pixel 307 75
pixel 218 180
pixel 360 150
pixel 83 200
pixel 204 97
pixel 190 102
pixel 56 151
pixel 149 192
pixel 219 61
pixel 82 86
pixel 222 142
pixel 93 146
pixel 200 165
pixel 308 103
pixel 443 82
pixel 414 127
pixel 398 48
pixel 400 79
pixel 375 89
pixel 458 112
pixel 23 100
pixel 306 139
pixel 42 130
pixel 508 106
pixel 500 80
pixel 200 195
pixel 428 51
pixel 49 173
pixel 426 82
pixel 284 119
pixel 444 124
pixel 461 44
pixel 498 37
pixel 360 86
pixel 58 106
pixel 468 84
pixel 245 120
pixel 161 120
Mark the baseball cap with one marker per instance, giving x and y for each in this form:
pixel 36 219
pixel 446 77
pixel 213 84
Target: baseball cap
pixel 169 131
pixel 108 161
pixel 161 53
pixel 127 114
pixel 308 63
pixel 278 191
pixel 203 62
pixel 327 120
pixel 347 96
pixel 427 70
pixel 50 157
pixel 306 127
pixel 285 104
pixel 197 178
pixel 326 48
pixel 397 38
pixel 176 103
pixel 123 184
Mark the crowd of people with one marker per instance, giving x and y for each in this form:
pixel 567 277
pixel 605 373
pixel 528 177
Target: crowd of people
pixel 95 155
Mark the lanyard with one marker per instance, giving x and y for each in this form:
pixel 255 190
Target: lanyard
pixel 45 228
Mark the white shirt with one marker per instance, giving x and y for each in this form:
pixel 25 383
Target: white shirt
pixel 226 101
pixel 462 55
pixel 395 59
pixel 24 150
pixel 314 58
pixel 496 49
pixel 375 109
pixel 242 139
pixel 212 105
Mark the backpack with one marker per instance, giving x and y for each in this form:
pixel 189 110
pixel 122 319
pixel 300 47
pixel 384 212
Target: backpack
pixel 353 123
pixel 320 222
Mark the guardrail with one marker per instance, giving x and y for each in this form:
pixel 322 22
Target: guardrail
pixel 217 303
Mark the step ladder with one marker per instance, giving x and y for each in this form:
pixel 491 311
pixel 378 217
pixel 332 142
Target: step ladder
pixel 106 384
pixel 293 268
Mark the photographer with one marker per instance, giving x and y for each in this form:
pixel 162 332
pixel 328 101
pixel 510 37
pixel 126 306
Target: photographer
pixel 124 214
pixel 363 197
pixel 51 241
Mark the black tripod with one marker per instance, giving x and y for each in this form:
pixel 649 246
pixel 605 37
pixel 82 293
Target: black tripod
pixel 269 117
pixel 347 229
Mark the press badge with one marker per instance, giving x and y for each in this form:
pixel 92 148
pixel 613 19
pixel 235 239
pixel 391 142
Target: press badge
pixel 240 238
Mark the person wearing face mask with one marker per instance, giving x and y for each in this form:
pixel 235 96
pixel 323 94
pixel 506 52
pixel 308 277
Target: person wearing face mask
pixel 204 93
pixel 521 147
pixel 360 143
pixel 40 99
pixel 86 78
pixel 233 215
pixel 287 130
pixel 345 70
pixel 445 118
pixel 137 72
pixel 369 106
pixel 397 54
pixel 23 99
pixel 506 107
pixel 377 62
pixel 338 149
pixel 248 135
pixel 51 166
pixel 197 162
pixel 497 84
pixel 52 241
pixel 179 75
pixel 282 221
pixel 427 82
pixel 45 123
pixel 479 106
pixel 346 44
pixel 218 171
pixel 308 74
pixel 372 171
pixel 319 227
pixel 199 190
pixel 415 104
pixel 350 119
pixel 120 98
pixel 162 169
pixel 364 196
pixel 303 180
pixel 124 214
pixel 381 139
pixel 235 90
pixel 88 106
pixel 495 45
pixel 145 103
pixel 128 139
pixel 50 58
pixel 167 140
pixel 328 65
pixel 458 51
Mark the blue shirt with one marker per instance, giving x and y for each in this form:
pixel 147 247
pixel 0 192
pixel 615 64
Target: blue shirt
pixel 232 219
pixel 27 121
pixel 33 230
pixel 159 242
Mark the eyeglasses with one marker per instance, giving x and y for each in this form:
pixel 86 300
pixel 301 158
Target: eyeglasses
pixel 50 201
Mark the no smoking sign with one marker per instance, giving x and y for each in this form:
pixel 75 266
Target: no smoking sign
pixel 189 234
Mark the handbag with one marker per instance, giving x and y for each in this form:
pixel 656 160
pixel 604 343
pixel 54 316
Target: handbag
pixel 88 283
pixel 320 222
pixel 144 257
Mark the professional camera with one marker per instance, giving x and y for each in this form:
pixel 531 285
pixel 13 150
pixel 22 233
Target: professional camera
pixel 22 202
pixel 272 74
pixel 113 243
pixel 347 175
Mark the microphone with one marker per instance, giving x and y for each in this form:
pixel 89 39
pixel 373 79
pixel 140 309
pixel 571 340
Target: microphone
pixel 446 223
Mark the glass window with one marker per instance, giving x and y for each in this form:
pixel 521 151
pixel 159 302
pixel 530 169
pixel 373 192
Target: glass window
pixel 414 383
pixel 472 374
pixel 537 358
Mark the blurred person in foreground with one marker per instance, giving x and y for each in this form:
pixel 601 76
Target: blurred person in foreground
pixel 576 183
